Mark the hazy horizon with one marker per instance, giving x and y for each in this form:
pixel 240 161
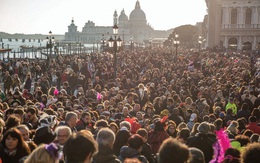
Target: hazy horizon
pixel 39 17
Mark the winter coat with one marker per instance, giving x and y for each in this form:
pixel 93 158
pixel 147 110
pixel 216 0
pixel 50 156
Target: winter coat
pixel 155 139
pixel 204 142
pixel 105 155
pixel 128 152
pixel 147 152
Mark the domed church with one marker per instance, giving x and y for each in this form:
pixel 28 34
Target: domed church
pixel 134 27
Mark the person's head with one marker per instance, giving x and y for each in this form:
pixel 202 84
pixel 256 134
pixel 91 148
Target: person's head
pixel 197 156
pixel 101 124
pixel 171 127
pixel 183 135
pixel 255 138
pixel 25 132
pixel 142 132
pixel 232 155
pixel 229 111
pixel 233 127
pixel 114 127
pixel 84 141
pixel 204 128
pixel 13 140
pixel 251 153
pixel 19 112
pixel 248 133
pixel 181 126
pixel 193 117
pixel 252 119
pixel 71 119
pixel 139 115
pixel 218 123
pixel 136 141
pixel 158 125
pixel 245 106
pixel 125 124
pixel 2 125
pixel 44 153
pixel 195 128
pixel 62 133
pixel 31 113
pixel 181 152
pixel 122 137
pixel 12 121
pixel 105 137
pixel 86 117
pixel 44 135
pixel 243 140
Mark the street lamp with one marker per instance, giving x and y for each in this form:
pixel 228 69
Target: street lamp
pixel 50 42
pixel 200 42
pixel 176 42
pixel 150 42
pixel 171 44
pixel 115 44
pixel 131 43
pixel 103 41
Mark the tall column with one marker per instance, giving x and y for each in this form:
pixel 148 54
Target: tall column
pixel 226 42
pixel 254 43
pixel 256 15
pixel 239 46
pixel 240 16
pixel 226 14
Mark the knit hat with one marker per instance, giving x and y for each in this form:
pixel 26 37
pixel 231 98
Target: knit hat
pixel 44 135
pixel 48 120
pixel 204 128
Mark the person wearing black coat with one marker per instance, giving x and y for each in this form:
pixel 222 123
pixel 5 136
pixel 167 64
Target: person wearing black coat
pixel 105 139
pixel 203 141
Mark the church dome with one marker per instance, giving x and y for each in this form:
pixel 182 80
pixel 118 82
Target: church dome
pixel 137 13
pixel 123 16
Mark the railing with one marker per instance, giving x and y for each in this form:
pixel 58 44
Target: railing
pixel 240 26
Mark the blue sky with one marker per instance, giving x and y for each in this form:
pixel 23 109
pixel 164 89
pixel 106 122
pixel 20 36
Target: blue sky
pixel 41 16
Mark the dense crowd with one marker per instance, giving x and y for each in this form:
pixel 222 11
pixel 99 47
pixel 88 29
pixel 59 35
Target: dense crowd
pixel 157 107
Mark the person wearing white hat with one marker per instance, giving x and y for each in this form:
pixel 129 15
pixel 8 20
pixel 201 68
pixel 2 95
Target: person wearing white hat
pixel 192 121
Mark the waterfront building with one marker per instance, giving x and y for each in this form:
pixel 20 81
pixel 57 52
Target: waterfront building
pixel 233 24
pixel 134 27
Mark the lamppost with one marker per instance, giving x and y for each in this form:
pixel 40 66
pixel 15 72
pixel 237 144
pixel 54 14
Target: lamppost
pixel 103 41
pixel 115 44
pixel 50 42
pixel 150 43
pixel 176 42
pixel 131 43
pixel 171 44
pixel 200 42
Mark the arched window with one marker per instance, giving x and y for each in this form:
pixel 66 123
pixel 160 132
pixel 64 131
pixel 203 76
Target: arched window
pixel 232 43
pixel 247 46
pixel 234 16
pixel 248 16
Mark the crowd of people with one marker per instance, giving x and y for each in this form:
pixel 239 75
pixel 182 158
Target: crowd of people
pixel 156 107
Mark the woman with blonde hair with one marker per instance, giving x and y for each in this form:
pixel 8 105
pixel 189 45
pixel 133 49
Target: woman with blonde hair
pixel 44 153
pixel 194 130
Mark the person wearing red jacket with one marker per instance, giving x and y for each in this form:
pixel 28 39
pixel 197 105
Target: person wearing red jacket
pixel 253 125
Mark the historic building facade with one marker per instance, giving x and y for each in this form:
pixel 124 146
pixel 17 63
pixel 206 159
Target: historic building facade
pixel 135 27
pixel 233 24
